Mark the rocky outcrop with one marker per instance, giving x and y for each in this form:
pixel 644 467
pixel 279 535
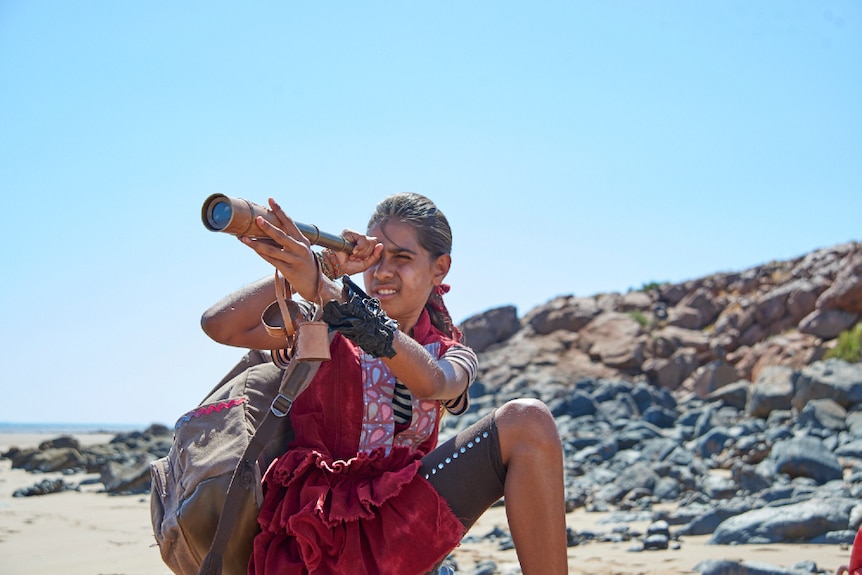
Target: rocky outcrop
pixel 497 325
pixel 122 463
pixel 693 337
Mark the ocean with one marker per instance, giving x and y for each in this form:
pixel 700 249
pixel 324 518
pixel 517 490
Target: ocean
pixel 68 428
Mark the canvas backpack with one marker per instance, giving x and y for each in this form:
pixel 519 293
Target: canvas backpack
pixel 206 492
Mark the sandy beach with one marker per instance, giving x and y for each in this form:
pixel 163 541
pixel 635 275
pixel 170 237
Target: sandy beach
pixel 92 533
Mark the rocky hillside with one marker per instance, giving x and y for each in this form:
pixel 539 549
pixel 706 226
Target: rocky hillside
pixel 691 337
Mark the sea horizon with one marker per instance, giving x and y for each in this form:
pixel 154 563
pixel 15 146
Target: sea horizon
pixel 61 428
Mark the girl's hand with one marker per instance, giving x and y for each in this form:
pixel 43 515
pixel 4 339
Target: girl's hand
pixel 364 255
pixel 289 251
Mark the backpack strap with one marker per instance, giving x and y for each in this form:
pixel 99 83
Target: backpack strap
pixel 295 379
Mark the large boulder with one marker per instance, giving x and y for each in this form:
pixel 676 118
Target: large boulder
pixel 828 323
pixel 615 340
pixel 669 373
pixel 806 457
pixel 483 330
pixel 845 293
pixel 52 459
pixel 562 313
pixel 831 379
pixel 772 391
pixel 710 377
pixel 791 523
pixel 704 303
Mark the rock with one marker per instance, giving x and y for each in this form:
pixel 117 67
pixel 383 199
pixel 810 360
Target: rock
pixel 806 457
pixel 563 313
pixel 706 519
pixel 851 449
pixel 54 459
pixel 828 323
pixel 729 567
pixel 803 294
pixel 673 337
pixel 845 293
pixel 706 305
pixel 614 339
pixel 718 487
pixel 770 307
pixel 796 522
pixel 485 567
pixel 795 350
pixel 659 416
pixel 483 330
pixel 711 377
pixel 129 478
pixel 637 476
pixel 831 379
pixel 64 441
pixel 712 442
pixel 652 542
pixel 750 478
pixel 733 394
pixel 773 390
pixel 44 487
pixel 578 404
pixel 671 294
pixel 823 414
pixel 671 372
pixel 636 301
pixel 685 317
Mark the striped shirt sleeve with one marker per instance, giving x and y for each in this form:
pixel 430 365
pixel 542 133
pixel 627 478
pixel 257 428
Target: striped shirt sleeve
pixel 464 357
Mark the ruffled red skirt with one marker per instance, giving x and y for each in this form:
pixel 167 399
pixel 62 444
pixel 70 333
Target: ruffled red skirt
pixel 371 515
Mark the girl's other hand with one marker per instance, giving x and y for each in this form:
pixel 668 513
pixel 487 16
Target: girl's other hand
pixel 365 254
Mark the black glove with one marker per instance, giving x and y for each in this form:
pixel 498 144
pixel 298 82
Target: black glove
pixel 361 320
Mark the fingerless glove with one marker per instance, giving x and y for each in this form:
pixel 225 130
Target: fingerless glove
pixel 361 320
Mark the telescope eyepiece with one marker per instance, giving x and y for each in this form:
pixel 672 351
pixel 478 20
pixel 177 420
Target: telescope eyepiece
pixel 219 215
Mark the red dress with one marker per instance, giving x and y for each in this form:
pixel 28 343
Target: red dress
pixel 346 497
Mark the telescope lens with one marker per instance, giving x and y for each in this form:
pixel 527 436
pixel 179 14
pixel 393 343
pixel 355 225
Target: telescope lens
pixel 220 214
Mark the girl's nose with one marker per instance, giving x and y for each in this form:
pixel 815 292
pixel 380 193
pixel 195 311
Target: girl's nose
pixel 383 269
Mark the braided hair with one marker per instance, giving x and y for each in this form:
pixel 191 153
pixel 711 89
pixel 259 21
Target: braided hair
pixel 434 235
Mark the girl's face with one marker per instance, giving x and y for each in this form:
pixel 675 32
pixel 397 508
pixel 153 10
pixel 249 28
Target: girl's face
pixel 405 274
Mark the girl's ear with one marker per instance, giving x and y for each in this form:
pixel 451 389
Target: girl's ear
pixel 441 268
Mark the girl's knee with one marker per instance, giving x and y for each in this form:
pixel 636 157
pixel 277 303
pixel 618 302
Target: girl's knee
pixel 528 421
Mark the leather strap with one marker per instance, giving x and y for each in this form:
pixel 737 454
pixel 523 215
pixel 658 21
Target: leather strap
pixel 282 292
pixel 294 381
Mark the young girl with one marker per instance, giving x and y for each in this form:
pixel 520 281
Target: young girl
pixel 364 488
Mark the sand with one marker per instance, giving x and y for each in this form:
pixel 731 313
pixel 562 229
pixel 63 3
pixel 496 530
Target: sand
pixel 92 533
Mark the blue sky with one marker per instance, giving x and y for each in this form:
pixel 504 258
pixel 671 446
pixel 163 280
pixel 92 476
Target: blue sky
pixel 576 147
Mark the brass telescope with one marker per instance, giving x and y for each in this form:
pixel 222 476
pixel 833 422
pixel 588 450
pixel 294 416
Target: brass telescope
pixel 235 216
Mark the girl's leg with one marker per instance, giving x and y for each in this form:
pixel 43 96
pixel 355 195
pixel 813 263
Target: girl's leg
pixel 468 471
pixel 535 496
pixel 514 451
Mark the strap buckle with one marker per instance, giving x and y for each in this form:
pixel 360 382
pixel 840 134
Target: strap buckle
pixel 281 405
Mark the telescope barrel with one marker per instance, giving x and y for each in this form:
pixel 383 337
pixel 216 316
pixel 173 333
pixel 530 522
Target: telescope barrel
pixel 236 216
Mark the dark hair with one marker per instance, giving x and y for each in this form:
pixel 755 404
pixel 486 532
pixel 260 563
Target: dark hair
pixel 434 235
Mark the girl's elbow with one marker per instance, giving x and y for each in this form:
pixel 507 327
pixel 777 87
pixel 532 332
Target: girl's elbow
pixel 215 329
pixel 429 390
pixel 424 394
